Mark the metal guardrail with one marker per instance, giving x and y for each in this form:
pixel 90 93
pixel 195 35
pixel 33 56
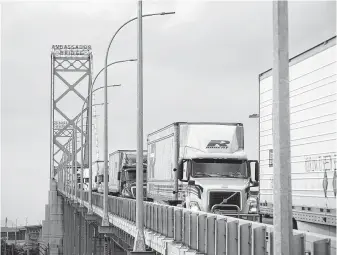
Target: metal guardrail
pixel 210 233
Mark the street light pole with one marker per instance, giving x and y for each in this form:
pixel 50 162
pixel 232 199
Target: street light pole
pixel 90 131
pixel 105 221
pixel 89 142
pixel 74 172
pixel 283 235
pixel 139 244
pixel 16 227
pixel 75 159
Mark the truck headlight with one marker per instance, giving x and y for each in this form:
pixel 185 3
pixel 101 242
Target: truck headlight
pixel 194 206
pixel 252 205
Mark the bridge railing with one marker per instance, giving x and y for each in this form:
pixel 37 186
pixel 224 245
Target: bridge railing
pixel 210 233
pixel 213 234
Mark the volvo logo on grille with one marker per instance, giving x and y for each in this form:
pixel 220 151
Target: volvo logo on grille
pixel 225 200
pixel 218 144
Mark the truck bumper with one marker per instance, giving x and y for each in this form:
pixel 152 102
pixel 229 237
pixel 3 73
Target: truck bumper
pixel 244 216
pixel 234 211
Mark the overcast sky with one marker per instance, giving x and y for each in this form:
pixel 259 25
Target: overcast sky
pixel 201 64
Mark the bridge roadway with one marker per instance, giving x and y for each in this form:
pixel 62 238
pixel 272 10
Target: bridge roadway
pixel 168 229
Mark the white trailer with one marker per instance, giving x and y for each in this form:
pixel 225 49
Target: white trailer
pixel 312 89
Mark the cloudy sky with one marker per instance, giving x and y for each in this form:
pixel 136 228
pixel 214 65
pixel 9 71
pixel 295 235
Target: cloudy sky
pixel 201 64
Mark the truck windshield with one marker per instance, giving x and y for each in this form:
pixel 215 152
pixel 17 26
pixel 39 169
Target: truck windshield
pixel 131 175
pixel 219 168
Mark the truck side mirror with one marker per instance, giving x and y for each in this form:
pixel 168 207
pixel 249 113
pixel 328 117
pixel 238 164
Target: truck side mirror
pixel 256 172
pixel 118 175
pixel 179 171
pixel 188 169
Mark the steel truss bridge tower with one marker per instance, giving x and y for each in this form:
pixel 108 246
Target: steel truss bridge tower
pixel 71 79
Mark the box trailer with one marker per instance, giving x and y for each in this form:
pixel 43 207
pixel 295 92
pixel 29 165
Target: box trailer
pixel 312 94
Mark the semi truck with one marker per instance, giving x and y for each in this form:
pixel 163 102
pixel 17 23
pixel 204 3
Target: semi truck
pixel 96 166
pixel 122 173
pixel 312 95
pixel 100 178
pixel 203 167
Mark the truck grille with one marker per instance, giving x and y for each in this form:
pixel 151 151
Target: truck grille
pixel 218 197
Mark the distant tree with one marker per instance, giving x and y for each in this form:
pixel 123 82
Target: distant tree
pixel 3 245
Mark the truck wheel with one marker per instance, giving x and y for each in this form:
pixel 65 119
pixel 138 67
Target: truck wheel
pixel 294 224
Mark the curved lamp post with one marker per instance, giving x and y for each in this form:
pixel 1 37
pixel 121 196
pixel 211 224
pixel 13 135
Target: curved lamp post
pixel 89 141
pixel 105 221
pixel 74 157
pixel 90 128
pixel 75 148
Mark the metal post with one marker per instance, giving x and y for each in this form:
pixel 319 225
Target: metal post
pixel 139 244
pixel 81 175
pixel 105 220
pixel 281 133
pixel 51 119
pixel 75 159
pixel 68 170
pixel 16 228
pixel 89 121
pixel 74 174
pixel 82 163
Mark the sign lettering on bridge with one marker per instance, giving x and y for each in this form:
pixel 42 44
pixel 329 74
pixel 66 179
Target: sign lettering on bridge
pixel 71 50
pixel 58 124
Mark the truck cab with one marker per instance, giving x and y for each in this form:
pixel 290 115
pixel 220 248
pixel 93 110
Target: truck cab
pixel 127 178
pixel 122 173
pixel 100 183
pixel 97 170
pixel 221 185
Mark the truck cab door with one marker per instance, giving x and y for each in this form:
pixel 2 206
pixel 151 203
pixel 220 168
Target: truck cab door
pixel 185 170
pixel 186 176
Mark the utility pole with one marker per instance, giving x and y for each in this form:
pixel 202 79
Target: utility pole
pixel 16 228
pixel 139 245
pixel 283 235
pixel 74 170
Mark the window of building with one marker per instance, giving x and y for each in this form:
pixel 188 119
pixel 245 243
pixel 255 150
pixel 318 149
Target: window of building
pixel 11 235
